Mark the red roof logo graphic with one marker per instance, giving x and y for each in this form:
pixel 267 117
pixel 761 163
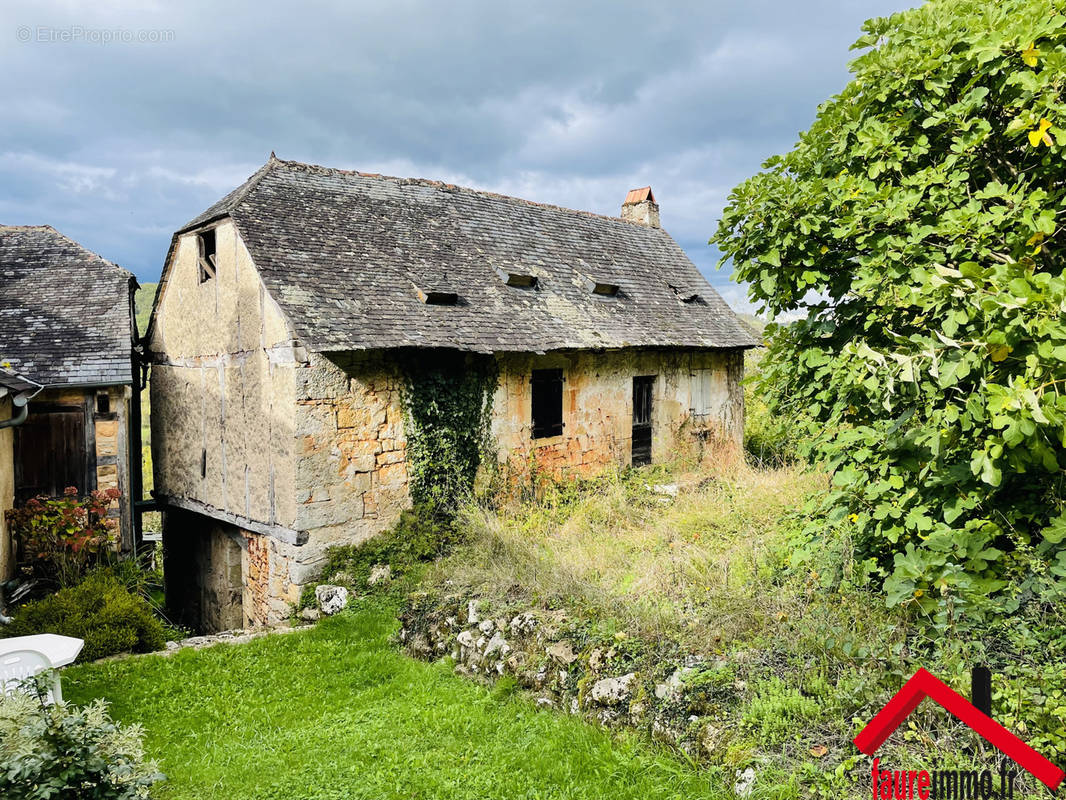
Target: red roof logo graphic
pixel 925 684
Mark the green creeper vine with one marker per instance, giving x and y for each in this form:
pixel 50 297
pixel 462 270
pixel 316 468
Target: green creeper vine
pixel 447 404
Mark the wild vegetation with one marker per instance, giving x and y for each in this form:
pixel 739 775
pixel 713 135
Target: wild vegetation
pixel 917 226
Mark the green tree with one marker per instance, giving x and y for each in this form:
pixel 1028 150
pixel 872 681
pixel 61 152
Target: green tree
pixel 917 228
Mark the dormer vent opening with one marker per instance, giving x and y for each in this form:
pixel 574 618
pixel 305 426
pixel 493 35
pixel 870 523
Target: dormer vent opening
pixel 602 287
pixel 511 277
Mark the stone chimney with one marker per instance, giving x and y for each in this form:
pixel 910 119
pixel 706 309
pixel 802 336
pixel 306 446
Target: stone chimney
pixel 640 207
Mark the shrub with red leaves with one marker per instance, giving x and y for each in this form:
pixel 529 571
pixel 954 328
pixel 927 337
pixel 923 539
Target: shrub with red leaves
pixel 59 539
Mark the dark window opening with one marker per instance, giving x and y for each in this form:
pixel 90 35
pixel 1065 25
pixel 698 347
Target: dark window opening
pixel 103 404
pixel 547 405
pixel 687 295
pixel 642 400
pixel 205 242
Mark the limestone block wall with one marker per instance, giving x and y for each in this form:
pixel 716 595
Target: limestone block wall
pixel 598 407
pixel 351 471
pixel 7 491
pixel 223 390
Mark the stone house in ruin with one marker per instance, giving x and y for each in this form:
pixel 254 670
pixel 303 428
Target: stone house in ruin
pixel 67 326
pixel 276 338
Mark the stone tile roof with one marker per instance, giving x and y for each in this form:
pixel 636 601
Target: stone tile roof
pixel 64 311
pixel 350 257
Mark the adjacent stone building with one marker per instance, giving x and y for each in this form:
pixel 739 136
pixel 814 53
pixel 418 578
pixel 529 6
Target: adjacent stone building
pixel 286 310
pixel 67 324
pixel 15 394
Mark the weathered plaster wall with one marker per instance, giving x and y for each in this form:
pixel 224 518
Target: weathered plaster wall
pixel 7 491
pixel 598 408
pixel 223 390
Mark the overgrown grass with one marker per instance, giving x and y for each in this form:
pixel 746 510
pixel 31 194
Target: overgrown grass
pixel 694 566
pixel 336 712
pixel 793 665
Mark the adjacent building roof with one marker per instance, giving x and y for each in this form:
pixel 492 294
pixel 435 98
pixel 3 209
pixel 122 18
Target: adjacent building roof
pixel 65 315
pixel 17 386
pixel 363 261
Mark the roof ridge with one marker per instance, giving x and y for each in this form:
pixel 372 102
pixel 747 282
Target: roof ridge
pixel 232 200
pixel 452 187
pixel 92 253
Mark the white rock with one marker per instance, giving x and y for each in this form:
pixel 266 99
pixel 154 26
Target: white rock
pixel 668 489
pixel 745 782
pixel 487 627
pixel 466 639
pixel 613 691
pixel 331 599
pixel 471 613
pixel 497 646
pixel 310 614
pixel 379 573
pixel 669 689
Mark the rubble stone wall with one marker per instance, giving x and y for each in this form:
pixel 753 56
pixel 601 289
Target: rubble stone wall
pixel 598 407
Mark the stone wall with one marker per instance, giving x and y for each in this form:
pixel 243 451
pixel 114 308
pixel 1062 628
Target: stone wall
pixel 572 666
pixel 7 490
pixel 598 408
pixel 351 471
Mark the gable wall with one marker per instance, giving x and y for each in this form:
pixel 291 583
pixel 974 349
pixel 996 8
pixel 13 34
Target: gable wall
pixel 223 388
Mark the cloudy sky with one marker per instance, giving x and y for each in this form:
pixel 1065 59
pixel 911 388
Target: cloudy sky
pixel 122 120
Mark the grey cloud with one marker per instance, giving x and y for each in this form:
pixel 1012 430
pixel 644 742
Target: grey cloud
pixel 563 102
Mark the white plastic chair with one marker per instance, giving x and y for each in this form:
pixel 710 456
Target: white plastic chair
pixel 18 665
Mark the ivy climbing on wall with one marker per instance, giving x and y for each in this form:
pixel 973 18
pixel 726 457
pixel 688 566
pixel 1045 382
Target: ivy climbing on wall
pixel 447 403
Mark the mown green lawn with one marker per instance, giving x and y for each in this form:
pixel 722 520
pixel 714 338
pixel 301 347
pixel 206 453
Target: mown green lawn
pixel 337 712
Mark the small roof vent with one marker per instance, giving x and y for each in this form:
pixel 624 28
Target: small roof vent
pixel 602 286
pixel 515 278
pixel 436 295
pixel 687 295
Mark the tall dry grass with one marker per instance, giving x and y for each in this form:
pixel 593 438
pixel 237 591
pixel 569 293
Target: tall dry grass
pixel 624 551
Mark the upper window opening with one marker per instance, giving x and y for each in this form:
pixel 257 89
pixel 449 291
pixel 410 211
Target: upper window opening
pixel 103 403
pixel 205 242
pixel 547 404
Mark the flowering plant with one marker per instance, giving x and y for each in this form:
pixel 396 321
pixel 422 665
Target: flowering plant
pixel 58 539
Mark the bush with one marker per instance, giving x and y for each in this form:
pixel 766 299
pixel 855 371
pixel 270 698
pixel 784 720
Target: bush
pixel 59 539
pixel 420 535
pixel 61 751
pixel 770 439
pixel 100 610
pixel 915 231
